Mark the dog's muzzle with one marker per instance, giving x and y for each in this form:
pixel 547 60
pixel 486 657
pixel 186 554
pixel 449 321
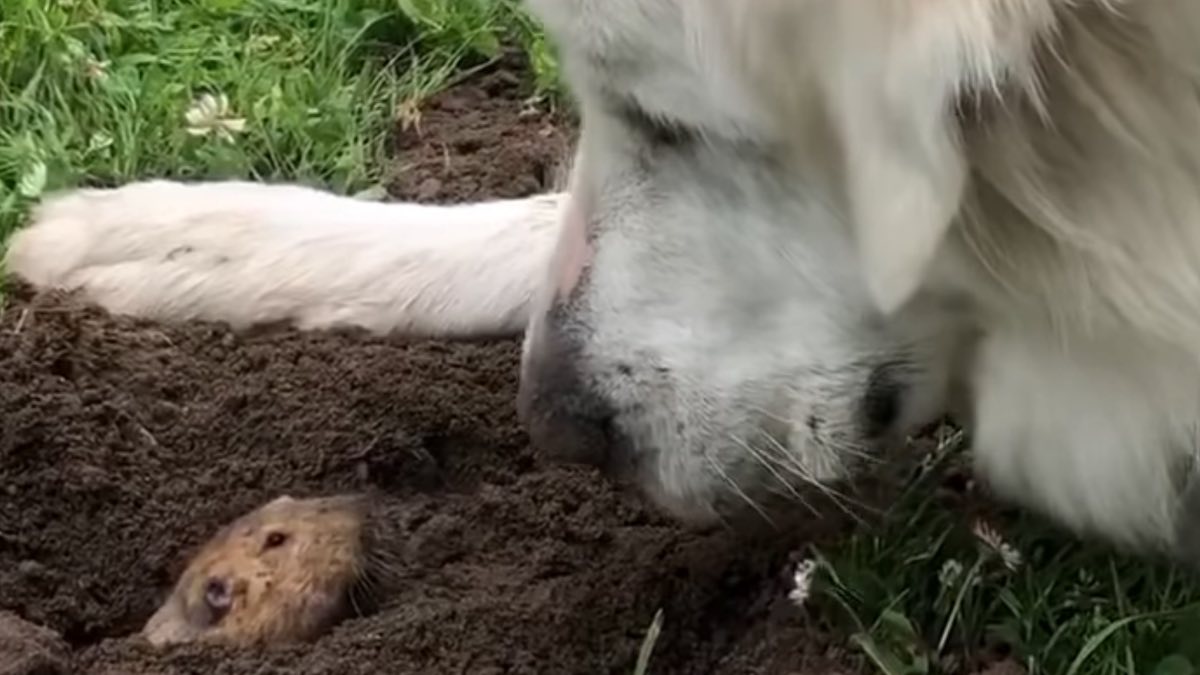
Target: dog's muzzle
pixel 565 417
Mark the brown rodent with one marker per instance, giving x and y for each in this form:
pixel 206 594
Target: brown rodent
pixel 284 572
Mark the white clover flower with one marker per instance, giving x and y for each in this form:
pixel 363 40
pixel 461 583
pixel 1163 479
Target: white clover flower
pixel 1009 555
pixel 802 582
pixel 94 69
pixel 950 573
pixel 262 42
pixel 211 115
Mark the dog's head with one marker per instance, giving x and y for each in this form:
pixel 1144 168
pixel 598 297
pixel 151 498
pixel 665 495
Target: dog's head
pixel 734 309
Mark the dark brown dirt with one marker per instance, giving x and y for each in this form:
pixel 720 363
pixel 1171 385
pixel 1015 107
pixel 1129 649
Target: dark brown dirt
pixel 483 139
pixel 28 649
pixel 124 444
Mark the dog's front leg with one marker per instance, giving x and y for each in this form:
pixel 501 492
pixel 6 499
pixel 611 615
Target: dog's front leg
pixel 251 253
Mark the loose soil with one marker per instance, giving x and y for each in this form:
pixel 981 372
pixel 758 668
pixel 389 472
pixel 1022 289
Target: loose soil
pixel 123 444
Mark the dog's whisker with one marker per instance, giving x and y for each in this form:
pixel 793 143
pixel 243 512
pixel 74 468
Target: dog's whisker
pixel 737 489
pixel 843 501
pixel 766 462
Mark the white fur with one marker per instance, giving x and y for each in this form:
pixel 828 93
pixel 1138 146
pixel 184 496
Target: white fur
pixel 250 253
pixel 1001 195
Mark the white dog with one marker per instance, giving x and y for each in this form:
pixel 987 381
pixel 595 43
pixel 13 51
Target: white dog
pixel 794 227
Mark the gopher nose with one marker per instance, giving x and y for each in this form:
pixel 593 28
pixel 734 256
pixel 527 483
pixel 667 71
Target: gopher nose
pixel 564 415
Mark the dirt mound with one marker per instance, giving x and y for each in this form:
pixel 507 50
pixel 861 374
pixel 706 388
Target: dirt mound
pixel 484 139
pixel 28 649
pixel 124 444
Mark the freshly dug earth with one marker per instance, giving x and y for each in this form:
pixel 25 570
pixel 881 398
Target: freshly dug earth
pixel 124 444
pixel 29 649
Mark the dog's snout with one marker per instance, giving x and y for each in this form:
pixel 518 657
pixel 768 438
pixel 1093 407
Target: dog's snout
pixel 565 417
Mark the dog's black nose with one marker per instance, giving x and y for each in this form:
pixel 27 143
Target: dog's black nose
pixel 882 401
pixel 565 418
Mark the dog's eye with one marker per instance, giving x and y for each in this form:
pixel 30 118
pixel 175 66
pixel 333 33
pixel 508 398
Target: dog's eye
pixel 274 540
pixel 657 129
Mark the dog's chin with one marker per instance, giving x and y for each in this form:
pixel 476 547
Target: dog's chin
pixel 753 510
pixel 691 513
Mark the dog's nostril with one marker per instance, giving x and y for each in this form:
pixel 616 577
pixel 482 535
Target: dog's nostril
pixel 882 401
pixel 565 418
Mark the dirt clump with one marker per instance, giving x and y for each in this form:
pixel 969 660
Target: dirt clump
pixel 28 649
pixel 487 138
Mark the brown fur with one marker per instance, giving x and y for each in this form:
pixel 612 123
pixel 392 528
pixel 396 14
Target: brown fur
pixel 287 570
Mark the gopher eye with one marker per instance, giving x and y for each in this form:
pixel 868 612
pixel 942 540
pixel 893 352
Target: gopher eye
pixel 274 540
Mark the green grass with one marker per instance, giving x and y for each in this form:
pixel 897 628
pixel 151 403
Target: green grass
pixel 922 590
pixel 96 92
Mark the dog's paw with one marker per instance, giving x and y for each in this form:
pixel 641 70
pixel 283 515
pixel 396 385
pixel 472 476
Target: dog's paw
pixel 171 250
pixel 63 231
pixel 78 231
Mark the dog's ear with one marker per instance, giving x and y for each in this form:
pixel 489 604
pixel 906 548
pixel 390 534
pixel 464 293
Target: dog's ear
pixel 905 177
pixel 892 81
